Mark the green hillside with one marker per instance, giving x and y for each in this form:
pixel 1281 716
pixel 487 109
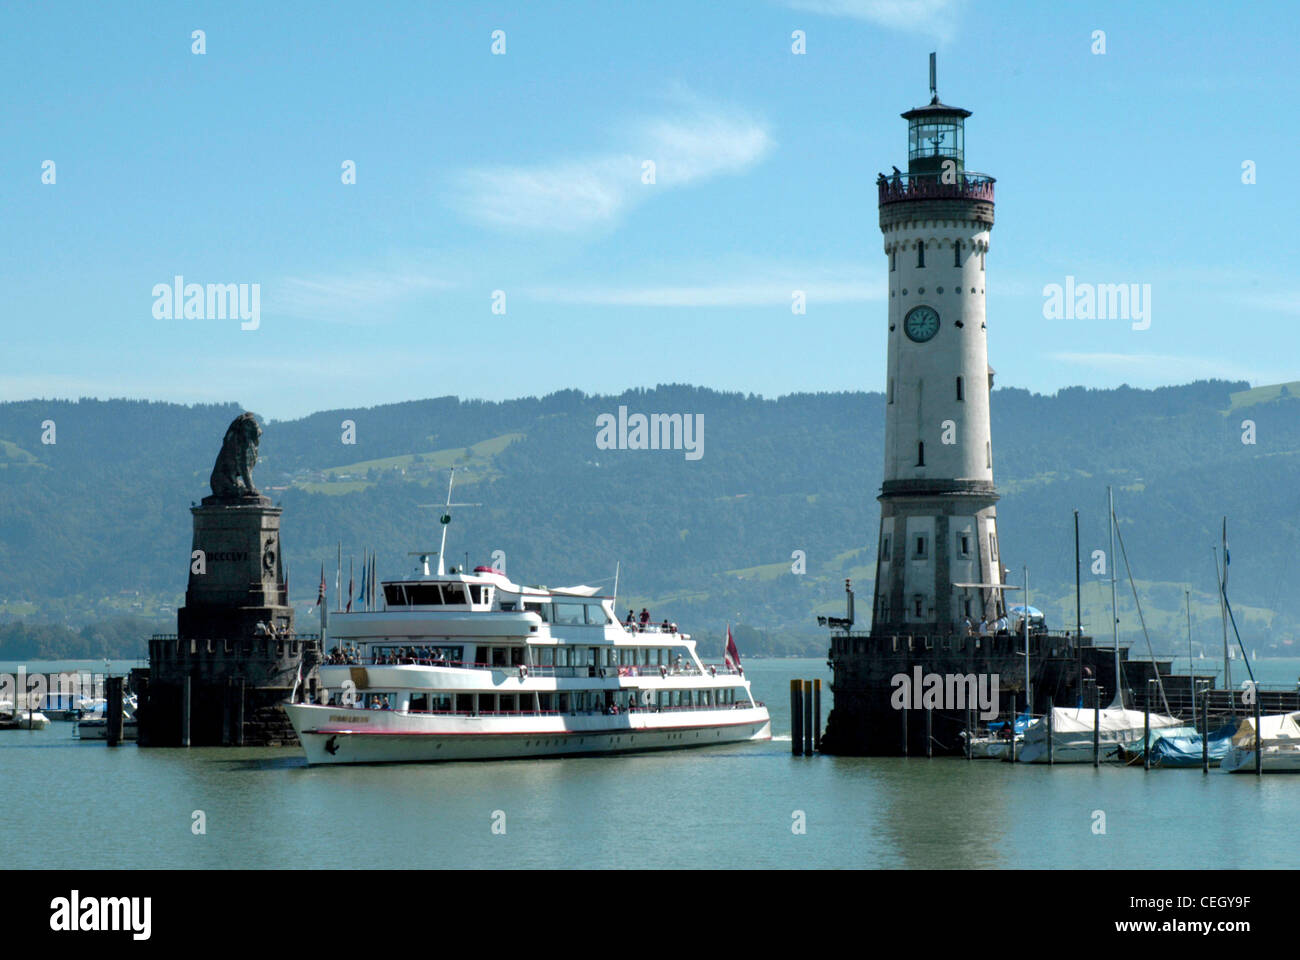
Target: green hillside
pixel 97 526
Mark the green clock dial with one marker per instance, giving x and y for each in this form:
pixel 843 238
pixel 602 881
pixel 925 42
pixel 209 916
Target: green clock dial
pixel 921 324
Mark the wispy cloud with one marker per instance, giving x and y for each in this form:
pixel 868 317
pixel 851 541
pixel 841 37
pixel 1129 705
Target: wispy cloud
pixel 349 295
pixel 579 194
pixel 934 18
pixel 752 289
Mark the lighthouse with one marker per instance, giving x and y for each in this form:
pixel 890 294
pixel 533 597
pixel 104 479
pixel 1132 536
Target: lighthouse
pixel 937 559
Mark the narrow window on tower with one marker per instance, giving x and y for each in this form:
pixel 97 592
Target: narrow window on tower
pixel 981 259
pixel 891 389
pixel 993 548
pixel 920 549
pixel 893 260
pixel 956 254
pixel 988 454
pixel 920 453
pixel 960 394
pixel 920 253
pixel 966 605
pixel 963 544
pixel 884 548
pixel 916 604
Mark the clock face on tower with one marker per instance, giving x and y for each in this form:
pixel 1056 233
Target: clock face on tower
pixel 921 324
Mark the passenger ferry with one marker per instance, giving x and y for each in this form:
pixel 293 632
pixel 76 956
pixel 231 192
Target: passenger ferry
pixel 472 666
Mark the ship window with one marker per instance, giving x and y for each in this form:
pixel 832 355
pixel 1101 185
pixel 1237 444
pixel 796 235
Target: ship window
pixel 543 610
pixel 419 703
pixel 508 607
pixel 453 593
pixel 547 656
pixel 568 613
pixel 516 656
pixel 475 593
pixel 596 615
pixel 498 656
pixel 394 595
pixel 424 594
pixel 507 703
pixel 482 655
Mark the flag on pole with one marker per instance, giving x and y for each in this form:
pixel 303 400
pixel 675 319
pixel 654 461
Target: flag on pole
pixel 365 579
pixel 351 582
pixel 731 657
pixel 320 594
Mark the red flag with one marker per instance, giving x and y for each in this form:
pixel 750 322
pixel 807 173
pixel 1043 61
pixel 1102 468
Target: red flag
pixel 732 656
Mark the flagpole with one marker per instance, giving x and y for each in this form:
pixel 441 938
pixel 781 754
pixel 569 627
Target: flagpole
pixel 338 580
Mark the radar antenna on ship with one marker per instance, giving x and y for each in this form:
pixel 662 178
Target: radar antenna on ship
pixel 445 520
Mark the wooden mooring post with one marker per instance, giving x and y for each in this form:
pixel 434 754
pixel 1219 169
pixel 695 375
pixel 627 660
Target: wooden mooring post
pixel 113 710
pixel 1051 724
pixel 1259 735
pixel 1205 730
pixel 970 735
pixel 1146 727
pixel 817 714
pixel 1096 724
pixel 796 718
pixel 807 718
pixel 1012 721
pixel 185 713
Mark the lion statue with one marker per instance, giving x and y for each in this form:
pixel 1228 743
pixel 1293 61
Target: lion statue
pixel 232 475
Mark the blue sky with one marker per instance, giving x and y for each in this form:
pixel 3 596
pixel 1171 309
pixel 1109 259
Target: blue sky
pixel 522 173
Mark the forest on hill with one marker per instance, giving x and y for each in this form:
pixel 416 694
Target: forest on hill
pixel 95 526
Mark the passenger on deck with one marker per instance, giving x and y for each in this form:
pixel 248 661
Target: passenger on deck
pixel 1003 626
pixel 645 618
pixel 664 626
pixel 631 619
pixel 984 627
pixel 966 630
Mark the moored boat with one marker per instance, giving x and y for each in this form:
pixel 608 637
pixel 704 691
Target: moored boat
pixel 469 665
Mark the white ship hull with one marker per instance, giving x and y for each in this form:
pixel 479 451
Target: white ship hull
pixel 342 735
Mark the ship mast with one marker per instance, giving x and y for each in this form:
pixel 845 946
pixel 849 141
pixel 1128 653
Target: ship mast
pixel 1114 618
pixel 445 518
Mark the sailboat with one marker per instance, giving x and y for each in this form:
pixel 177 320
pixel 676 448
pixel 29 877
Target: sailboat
pixel 1280 740
pixel 1072 728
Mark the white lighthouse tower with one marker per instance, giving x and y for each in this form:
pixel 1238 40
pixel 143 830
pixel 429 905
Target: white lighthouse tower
pixel 938 559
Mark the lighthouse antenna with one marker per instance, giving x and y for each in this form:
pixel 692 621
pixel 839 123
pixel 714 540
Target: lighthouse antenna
pixel 934 90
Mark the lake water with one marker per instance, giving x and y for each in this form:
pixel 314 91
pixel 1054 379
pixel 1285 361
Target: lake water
pixel 69 804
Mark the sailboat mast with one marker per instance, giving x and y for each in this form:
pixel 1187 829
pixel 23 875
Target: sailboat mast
pixel 1223 606
pixel 1114 618
pixel 1191 678
pixel 1078 599
pixel 1029 699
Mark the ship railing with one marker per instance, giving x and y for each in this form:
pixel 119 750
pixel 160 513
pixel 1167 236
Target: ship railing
pixel 652 628
pixel 590 711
